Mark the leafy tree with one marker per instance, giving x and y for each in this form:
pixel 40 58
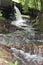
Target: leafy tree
pixel 29 3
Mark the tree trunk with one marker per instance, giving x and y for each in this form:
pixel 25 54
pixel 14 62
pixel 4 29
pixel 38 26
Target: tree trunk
pixel 41 18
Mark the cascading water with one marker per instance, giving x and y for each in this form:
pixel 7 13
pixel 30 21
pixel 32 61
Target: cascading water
pixel 19 20
pixel 33 59
pixel 26 57
pixel 21 37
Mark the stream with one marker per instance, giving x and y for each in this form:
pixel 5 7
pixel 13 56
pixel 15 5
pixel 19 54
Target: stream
pixel 27 35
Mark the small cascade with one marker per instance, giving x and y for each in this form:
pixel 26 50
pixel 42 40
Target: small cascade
pixel 21 23
pixel 19 20
pixel 19 37
pixel 26 57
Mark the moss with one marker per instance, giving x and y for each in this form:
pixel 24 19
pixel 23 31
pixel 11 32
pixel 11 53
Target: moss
pixel 1 53
pixel 0 14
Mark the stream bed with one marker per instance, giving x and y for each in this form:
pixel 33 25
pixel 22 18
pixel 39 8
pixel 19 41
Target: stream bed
pixel 22 42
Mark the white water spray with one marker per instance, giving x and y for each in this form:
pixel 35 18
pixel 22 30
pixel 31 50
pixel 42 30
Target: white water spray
pixel 26 56
pixel 19 20
pixel 19 23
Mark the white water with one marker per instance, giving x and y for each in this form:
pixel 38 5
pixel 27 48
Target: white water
pixel 19 20
pixel 18 17
pixel 22 56
pixel 19 54
pixel 21 23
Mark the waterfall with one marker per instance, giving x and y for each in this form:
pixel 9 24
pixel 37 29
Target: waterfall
pixel 19 20
pixel 18 17
pixel 15 38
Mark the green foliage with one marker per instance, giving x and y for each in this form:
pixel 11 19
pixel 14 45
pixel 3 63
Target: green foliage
pixel 25 6
pixel 1 53
pixel 0 14
pixel 15 63
pixel 16 1
pixel 30 3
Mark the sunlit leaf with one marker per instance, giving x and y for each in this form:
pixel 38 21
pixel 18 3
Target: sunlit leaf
pixel 16 63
